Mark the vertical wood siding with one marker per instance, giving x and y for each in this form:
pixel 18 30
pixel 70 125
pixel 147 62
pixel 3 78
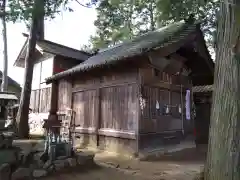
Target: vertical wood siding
pixel 160 90
pixel 64 95
pixel 119 107
pixel 84 105
pixel 40 100
pixel 115 105
pixel 115 101
pixel 106 111
pixel 157 99
pixel 155 119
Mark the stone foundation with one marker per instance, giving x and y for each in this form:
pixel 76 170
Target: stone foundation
pixel 33 165
pixel 121 146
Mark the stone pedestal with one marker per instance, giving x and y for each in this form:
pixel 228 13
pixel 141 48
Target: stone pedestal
pixel 8 156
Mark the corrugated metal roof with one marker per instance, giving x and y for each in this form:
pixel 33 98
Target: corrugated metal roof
pixel 144 43
pixel 206 88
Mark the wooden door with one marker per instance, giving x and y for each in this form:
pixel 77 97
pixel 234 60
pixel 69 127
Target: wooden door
pixel 85 108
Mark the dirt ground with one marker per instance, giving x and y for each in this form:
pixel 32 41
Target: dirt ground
pixel 182 165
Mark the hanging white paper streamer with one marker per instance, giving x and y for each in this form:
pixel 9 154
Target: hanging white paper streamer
pixel 167 110
pixel 179 109
pixel 157 105
pixel 188 112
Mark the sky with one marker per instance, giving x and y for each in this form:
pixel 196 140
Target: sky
pixel 71 29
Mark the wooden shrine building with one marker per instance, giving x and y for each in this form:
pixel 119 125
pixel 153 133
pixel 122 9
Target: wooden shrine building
pixel 136 95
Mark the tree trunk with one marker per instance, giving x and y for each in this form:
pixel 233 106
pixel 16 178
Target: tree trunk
pixel 23 111
pixel 4 84
pixel 223 162
pixel 151 14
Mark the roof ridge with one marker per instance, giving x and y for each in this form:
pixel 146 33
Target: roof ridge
pixel 140 36
pixel 57 44
pixel 63 46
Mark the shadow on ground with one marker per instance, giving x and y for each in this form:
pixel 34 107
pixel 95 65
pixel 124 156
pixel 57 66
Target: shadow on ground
pixel 86 169
pixel 184 156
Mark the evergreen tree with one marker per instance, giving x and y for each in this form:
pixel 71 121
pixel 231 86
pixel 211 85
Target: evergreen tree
pixel 120 20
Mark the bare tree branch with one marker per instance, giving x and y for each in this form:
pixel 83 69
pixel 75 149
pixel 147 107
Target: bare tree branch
pixel 86 6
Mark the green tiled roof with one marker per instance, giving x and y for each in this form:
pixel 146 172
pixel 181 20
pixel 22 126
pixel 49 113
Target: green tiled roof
pixel 141 44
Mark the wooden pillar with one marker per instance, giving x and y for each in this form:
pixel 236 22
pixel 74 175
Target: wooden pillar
pixel 98 123
pixel 139 111
pixel 54 102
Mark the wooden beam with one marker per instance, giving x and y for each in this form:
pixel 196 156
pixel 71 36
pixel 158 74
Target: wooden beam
pixel 39 49
pixel 157 60
pixel 117 134
pixel 83 130
pixel 178 57
pixel 174 88
pixel 98 124
pixel 156 80
pixel 54 98
pixel 174 66
pixel 107 132
pixel 103 85
pixel 172 48
pixel 139 110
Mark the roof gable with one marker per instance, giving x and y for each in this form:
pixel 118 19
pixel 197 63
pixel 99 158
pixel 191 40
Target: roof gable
pixel 10 81
pixel 45 46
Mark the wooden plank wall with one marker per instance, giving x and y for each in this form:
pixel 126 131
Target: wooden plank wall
pixel 117 97
pixel 161 91
pixel 102 107
pixel 119 108
pixel 84 105
pixel 155 119
pixel 40 100
pixel 64 95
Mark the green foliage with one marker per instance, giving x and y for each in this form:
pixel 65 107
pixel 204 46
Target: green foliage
pixel 119 20
pixel 87 48
pixel 204 10
pixel 23 9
